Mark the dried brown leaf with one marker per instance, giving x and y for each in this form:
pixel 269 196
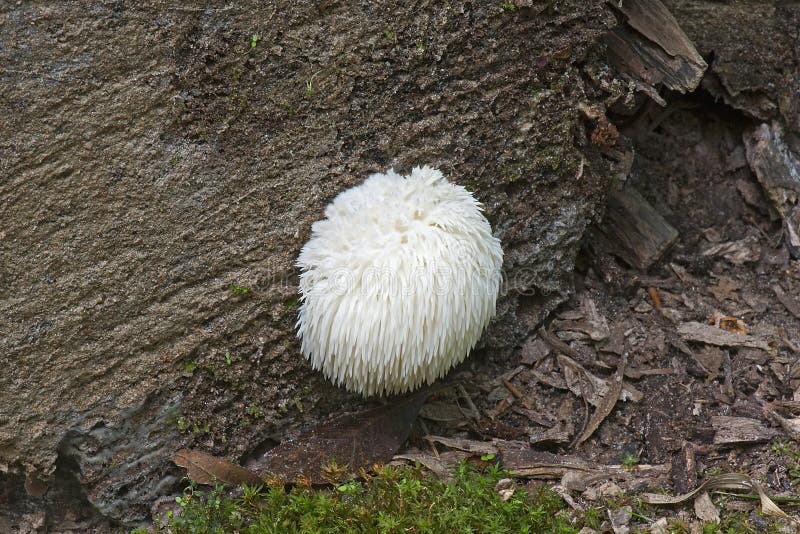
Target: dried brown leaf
pixel 356 440
pixel 727 481
pixel 441 467
pixel 728 323
pixel 607 403
pixel 577 473
pixel 206 469
pixel 444 412
pixel 737 252
pixel 710 359
pixel 588 386
pixel 769 507
pixel 726 288
pixel 704 509
pixel 732 481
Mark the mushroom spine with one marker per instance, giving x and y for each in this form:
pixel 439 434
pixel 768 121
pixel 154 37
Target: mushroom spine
pixel 397 283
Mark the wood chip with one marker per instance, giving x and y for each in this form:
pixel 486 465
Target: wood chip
pixel 703 333
pixel 653 48
pixel 741 431
pixel 774 164
pixel 633 230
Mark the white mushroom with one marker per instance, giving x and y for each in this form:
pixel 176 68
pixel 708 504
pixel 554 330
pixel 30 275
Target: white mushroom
pixel 397 283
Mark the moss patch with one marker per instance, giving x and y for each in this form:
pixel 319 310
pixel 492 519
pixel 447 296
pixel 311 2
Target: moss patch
pixel 393 500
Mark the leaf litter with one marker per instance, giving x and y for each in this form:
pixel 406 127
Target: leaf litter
pixel 691 369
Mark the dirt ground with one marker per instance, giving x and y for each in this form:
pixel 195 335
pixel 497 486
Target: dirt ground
pixel 703 409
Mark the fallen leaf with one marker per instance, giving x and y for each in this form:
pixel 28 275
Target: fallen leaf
pixel 737 252
pixel 704 509
pixel 534 350
pixel 575 472
pixel 445 412
pixel 441 466
pixel 726 481
pixel 769 507
pixel 734 481
pixel 356 440
pixel 710 359
pixel 505 488
pixel 586 385
pixel 586 324
pixel 206 469
pixel 726 288
pixel 607 403
pixel 731 324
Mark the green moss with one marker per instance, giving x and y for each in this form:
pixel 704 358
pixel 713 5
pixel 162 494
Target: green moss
pixel 189 366
pixel 508 6
pixel 790 455
pixel 254 411
pixel 549 158
pixel 239 291
pixel 394 500
pixel 402 499
pixel 630 461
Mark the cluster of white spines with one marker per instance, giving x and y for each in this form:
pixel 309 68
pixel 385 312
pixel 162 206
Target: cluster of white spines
pixel 397 283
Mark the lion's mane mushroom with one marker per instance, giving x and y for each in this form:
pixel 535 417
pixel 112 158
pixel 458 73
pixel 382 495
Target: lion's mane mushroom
pixel 397 283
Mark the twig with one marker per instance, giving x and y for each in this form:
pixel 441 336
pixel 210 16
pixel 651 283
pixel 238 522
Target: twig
pixel 517 393
pixel 475 413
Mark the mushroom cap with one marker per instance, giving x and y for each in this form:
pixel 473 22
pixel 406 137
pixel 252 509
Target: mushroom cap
pixel 397 283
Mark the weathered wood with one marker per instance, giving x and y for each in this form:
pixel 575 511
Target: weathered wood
pixel 633 230
pixel 774 164
pixel 653 49
pixel 791 225
pixel 741 430
pixel 777 168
